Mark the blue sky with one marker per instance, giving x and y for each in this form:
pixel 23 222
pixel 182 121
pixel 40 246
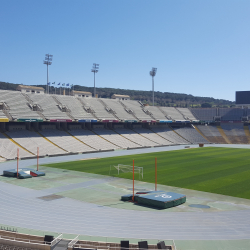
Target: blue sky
pixel 200 47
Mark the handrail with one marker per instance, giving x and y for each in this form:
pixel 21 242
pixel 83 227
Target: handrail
pixel 108 247
pixel 73 242
pixel 89 238
pixel 56 240
pixel 23 240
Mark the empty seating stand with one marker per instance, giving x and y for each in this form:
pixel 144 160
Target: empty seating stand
pixel 136 138
pixel 50 109
pixel 116 138
pixel 32 140
pixel 235 132
pixel 8 149
pixel 157 113
pixel 173 114
pixel 204 114
pixel 212 134
pixel 75 107
pixel 187 114
pixel 99 109
pixel 169 134
pixel 231 114
pixel 18 106
pixel 190 134
pixel 119 110
pixel 93 140
pixel 151 135
pixel 65 141
pixel 137 109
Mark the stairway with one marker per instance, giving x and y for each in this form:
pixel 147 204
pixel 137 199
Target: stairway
pixel 199 132
pixel 223 134
pixel 61 245
pixel 246 129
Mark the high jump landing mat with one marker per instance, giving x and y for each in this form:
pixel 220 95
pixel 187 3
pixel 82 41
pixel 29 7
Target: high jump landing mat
pixel 157 199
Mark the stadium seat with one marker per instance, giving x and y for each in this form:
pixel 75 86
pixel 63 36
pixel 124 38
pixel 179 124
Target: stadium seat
pixel 143 245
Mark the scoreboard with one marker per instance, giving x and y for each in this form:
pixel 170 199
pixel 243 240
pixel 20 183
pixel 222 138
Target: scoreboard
pixel 242 97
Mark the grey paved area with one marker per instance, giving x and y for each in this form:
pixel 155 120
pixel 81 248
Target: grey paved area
pixel 20 208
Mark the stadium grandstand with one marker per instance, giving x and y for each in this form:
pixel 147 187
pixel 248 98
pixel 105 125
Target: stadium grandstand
pixel 60 125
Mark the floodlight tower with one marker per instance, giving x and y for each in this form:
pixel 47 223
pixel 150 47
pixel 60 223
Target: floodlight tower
pixel 153 73
pixel 95 69
pixel 48 61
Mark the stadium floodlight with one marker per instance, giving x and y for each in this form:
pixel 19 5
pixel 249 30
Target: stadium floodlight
pixel 48 61
pixel 95 69
pixel 153 73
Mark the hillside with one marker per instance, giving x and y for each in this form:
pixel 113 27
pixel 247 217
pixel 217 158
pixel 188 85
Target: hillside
pixel 161 98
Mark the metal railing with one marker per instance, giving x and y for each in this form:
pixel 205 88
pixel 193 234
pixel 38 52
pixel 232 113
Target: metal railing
pixel 73 242
pixel 56 240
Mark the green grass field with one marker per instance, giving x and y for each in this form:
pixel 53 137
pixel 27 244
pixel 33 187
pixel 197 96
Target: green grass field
pixel 216 170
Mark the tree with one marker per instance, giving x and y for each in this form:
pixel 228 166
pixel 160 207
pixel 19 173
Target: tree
pixel 206 105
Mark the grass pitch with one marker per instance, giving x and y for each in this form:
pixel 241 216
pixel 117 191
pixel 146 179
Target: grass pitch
pixel 216 170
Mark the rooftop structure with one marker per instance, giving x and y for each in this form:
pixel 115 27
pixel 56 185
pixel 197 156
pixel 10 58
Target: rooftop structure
pixel 30 89
pixel 120 97
pixel 81 93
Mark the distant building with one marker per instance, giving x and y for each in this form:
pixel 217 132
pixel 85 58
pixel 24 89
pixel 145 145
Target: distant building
pixel 30 89
pixel 81 94
pixel 120 97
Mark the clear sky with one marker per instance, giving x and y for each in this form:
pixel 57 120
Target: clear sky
pixel 199 47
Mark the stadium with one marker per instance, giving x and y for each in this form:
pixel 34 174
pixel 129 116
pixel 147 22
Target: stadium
pixel 66 209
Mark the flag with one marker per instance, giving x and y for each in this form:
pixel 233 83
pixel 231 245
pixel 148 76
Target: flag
pixel 53 82
pixel 63 84
pixel 59 84
pixel 67 84
pixel 48 83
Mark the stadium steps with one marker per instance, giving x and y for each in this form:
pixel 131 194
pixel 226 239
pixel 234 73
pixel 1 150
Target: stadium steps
pixel 184 117
pixel 126 108
pixel 84 105
pixel 51 141
pixel 111 111
pixel 67 112
pixel 32 103
pixel 223 134
pixel 16 143
pixel 105 138
pixel 42 115
pixel 200 132
pixel 69 115
pixel 8 115
pixel 147 137
pixel 127 138
pixel 180 135
pixel 61 245
pixel 79 140
pixel 247 132
pixel 164 113
pixel 160 136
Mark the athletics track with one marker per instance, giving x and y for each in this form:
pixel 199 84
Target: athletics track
pixel 23 207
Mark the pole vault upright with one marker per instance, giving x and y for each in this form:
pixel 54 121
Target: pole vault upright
pixel 155 174
pixel 17 163
pixel 133 181
pixel 37 159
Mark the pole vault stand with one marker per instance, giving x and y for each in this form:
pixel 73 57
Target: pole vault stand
pixel 155 199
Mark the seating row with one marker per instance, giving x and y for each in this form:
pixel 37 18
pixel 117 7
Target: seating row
pixel 51 141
